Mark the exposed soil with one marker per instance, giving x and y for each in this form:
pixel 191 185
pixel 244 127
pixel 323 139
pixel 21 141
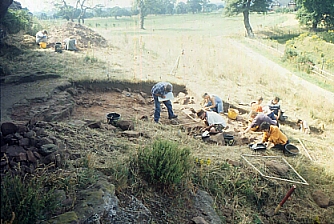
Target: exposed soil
pixel 133 103
pixel 85 37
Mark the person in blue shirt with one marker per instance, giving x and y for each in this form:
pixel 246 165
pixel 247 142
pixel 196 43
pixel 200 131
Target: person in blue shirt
pixel 275 107
pixel 213 103
pixel 160 90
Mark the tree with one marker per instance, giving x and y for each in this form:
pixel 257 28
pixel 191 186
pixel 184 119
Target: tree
pixel 167 6
pixel 195 5
pixel 119 12
pixel 181 8
pixel 211 7
pixel 234 7
pixel 77 11
pixel 144 7
pixel 314 12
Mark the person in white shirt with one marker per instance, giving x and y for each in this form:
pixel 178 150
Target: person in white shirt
pixel 215 122
pixel 303 126
pixel 70 44
pixel 41 36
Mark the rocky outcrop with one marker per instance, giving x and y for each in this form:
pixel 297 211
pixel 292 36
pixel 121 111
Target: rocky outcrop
pixel 204 203
pixel 25 147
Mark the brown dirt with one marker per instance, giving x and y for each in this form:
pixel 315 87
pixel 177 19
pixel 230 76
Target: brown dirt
pixel 84 36
pixel 96 105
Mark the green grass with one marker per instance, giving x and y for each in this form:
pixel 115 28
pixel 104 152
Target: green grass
pixel 324 83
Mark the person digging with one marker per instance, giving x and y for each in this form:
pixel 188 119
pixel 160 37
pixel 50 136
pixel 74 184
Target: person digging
pixel 273 135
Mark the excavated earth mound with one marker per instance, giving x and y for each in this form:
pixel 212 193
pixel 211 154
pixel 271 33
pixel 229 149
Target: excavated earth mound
pixel 84 36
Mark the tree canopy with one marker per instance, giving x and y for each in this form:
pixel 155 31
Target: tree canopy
pixel 315 12
pixel 77 11
pixel 234 7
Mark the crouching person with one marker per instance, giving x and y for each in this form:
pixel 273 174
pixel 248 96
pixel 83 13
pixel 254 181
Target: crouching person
pixel 272 134
pixel 70 44
pixel 215 122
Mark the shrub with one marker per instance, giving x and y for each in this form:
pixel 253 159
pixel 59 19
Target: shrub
pixel 20 20
pixel 90 59
pixel 27 199
pixel 327 36
pixel 164 163
pixel 16 20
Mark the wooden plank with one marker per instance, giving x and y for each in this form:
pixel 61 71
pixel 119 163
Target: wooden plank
pixel 307 153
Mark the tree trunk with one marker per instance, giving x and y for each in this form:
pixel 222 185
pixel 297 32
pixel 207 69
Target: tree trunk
pixel 142 17
pixel 314 25
pixel 4 4
pixel 247 24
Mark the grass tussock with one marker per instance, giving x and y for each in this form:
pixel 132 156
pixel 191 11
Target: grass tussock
pixel 26 200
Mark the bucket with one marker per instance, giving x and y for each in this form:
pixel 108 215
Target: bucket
pixel 42 45
pixel 113 117
pixel 290 150
pixel 229 139
pixel 58 47
pixel 232 113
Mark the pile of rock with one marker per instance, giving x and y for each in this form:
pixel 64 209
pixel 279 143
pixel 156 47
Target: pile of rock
pixel 25 147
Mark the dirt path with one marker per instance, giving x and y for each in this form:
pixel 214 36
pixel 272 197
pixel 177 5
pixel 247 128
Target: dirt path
pixel 288 75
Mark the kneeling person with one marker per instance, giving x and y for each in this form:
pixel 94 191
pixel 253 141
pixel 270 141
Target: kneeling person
pixel 272 134
pixel 70 44
pixel 215 122
pixel 258 119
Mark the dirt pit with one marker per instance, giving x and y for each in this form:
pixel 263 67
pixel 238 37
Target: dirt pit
pixel 94 105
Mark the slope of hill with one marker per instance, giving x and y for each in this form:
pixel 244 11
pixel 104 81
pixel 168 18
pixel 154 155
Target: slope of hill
pixel 112 78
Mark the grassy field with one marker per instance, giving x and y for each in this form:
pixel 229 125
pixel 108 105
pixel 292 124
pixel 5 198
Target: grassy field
pixel 208 53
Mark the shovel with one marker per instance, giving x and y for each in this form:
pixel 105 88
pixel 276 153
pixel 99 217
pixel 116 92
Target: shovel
pixel 272 213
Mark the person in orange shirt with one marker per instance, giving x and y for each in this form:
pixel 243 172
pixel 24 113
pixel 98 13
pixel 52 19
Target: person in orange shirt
pixel 256 105
pixel 272 134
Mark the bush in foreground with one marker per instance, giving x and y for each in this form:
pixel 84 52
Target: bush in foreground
pixel 164 163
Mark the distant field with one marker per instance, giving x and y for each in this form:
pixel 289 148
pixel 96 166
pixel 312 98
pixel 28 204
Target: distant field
pixel 198 24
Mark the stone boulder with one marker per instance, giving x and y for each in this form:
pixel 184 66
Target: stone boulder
pixel 321 199
pixel 125 125
pixel 8 128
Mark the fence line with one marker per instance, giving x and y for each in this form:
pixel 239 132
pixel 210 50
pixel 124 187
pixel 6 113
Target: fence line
pixel 314 69
pixel 319 70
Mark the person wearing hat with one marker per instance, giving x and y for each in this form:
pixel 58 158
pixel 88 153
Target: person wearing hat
pixel 213 103
pixel 160 90
pixel 272 134
pixel 41 36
